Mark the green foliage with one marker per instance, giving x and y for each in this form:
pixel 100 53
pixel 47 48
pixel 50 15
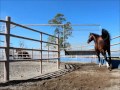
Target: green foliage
pixel 51 39
pixel 64 31
pixel 58 19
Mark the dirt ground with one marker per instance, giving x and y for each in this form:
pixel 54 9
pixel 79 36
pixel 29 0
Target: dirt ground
pixel 27 69
pixel 87 77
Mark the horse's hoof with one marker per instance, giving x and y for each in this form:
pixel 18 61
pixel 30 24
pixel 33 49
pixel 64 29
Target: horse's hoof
pixel 99 65
pixel 107 65
pixel 110 67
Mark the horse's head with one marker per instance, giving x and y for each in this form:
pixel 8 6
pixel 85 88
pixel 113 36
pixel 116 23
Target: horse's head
pixel 91 37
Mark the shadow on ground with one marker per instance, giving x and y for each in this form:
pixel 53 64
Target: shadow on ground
pixel 69 68
pixel 116 63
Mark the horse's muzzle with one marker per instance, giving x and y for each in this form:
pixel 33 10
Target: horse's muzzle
pixel 88 41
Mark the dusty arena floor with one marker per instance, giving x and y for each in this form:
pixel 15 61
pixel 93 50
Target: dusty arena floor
pixel 87 77
pixel 27 69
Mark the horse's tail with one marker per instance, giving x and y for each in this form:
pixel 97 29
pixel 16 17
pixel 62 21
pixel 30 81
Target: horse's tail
pixel 106 35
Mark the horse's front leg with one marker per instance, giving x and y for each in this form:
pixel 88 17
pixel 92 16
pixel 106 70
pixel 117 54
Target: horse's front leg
pixel 98 54
pixel 99 61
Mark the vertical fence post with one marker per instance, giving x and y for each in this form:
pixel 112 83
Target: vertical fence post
pixel 32 54
pixel 13 54
pixel 3 57
pixel 7 49
pixel 58 54
pixel 48 53
pixel 41 53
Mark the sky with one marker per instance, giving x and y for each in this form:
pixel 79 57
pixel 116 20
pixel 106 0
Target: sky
pixel 103 12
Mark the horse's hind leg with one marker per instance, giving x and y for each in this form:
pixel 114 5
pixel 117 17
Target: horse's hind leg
pixel 110 63
pixel 105 57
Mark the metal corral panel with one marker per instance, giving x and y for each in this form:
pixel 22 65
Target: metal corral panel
pixel 69 52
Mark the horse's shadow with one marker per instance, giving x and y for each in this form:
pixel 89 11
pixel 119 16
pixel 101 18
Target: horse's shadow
pixel 116 64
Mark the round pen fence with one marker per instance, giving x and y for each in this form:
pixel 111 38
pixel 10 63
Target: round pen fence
pixel 87 52
pixel 79 48
pixel 17 53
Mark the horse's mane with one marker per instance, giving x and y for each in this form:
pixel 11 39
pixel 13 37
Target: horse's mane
pixel 96 35
pixel 105 35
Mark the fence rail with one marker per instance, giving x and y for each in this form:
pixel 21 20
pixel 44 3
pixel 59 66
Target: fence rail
pixel 7 47
pixel 84 46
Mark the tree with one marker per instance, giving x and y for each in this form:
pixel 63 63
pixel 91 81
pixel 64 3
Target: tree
pixel 21 44
pixel 64 31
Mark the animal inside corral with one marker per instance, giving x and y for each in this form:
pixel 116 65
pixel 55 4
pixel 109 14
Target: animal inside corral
pixel 22 54
pixel 102 45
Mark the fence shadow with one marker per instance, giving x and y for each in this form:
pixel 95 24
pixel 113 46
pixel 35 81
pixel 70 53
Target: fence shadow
pixel 34 79
pixel 41 77
pixel 116 63
pixel 15 82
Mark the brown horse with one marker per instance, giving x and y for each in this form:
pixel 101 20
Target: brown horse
pixel 102 45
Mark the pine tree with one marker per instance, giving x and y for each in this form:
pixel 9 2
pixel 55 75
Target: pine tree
pixel 64 31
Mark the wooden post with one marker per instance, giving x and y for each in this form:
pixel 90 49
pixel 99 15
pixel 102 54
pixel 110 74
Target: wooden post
pixel 41 54
pixel 13 55
pixel 7 49
pixel 3 57
pixel 48 53
pixel 32 54
pixel 58 54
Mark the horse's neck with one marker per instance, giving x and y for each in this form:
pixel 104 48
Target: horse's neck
pixel 95 38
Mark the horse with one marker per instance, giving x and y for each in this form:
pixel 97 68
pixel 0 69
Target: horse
pixel 23 54
pixel 102 45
